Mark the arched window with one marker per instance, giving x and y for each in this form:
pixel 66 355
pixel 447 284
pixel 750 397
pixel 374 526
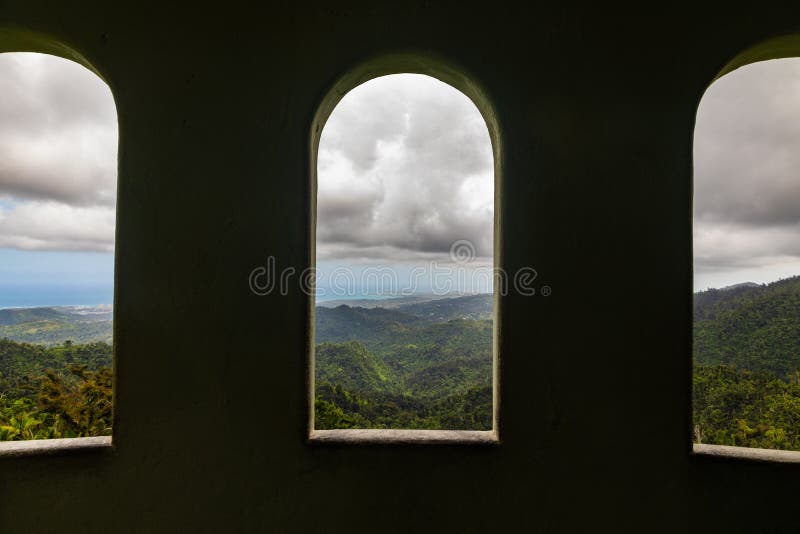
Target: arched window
pixel 58 176
pixel 747 259
pixel 403 330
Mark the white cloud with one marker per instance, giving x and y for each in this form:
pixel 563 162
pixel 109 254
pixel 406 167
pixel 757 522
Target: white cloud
pixel 405 169
pixel 747 175
pixel 47 225
pixel 58 152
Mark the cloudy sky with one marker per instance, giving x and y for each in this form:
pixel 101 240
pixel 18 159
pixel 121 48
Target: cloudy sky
pixel 405 171
pixel 747 176
pixel 58 151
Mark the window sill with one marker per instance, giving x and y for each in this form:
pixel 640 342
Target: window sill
pixel 745 453
pixel 37 447
pixel 405 437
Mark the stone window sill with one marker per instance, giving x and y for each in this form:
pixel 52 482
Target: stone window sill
pixel 405 437
pixel 37 447
pixel 745 453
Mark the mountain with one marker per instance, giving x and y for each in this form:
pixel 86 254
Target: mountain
pixel 352 366
pixel 388 302
pixel 740 285
pixel 754 327
pixel 746 385
pixel 418 365
pixel 16 316
pixel 344 323
pixel 55 325
pixel 479 307
pixel 704 299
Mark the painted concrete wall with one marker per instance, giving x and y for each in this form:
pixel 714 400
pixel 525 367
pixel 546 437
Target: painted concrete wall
pixel 596 111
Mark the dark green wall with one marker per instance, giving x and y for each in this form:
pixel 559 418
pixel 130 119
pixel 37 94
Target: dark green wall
pixel 596 111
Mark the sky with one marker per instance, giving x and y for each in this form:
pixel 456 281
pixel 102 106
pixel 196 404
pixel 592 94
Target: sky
pixel 405 180
pixel 747 176
pixel 405 174
pixel 58 175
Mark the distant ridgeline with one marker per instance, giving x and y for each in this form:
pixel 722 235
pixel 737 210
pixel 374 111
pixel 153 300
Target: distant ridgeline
pixel 428 364
pixel 419 364
pixel 747 363
pixel 415 363
pixel 55 325
pixel 55 372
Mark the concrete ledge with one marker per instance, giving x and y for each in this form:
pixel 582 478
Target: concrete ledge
pixel 746 453
pixel 52 446
pixel 407 437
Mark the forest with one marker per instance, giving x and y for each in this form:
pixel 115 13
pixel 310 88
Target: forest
pixel 746 386
pixel 422 365
pixel 61 391
pixel 56 325
pixel 428 365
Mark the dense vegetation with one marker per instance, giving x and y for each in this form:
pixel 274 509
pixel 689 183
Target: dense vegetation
pixel 54 392
pixel 746 408
pixel 421 365
pixel 428 365
pixel 747 363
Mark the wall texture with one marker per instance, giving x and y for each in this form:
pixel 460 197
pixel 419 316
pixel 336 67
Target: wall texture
pixel 596 111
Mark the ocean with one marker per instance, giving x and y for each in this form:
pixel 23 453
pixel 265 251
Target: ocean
pixel 36 295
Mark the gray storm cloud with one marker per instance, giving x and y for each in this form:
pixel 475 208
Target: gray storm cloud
pixel 405 169
pixel 58 152
pixel 747 171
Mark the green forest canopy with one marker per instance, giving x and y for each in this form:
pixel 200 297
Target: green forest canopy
pixel 424 365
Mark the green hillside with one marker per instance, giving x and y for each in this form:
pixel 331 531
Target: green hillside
pixel 406 370
pixel 747 358
pixel 478 307
pixel 376 325
pixel 755 328
pixel 15 316
pixel 56 325
pixel 352 366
